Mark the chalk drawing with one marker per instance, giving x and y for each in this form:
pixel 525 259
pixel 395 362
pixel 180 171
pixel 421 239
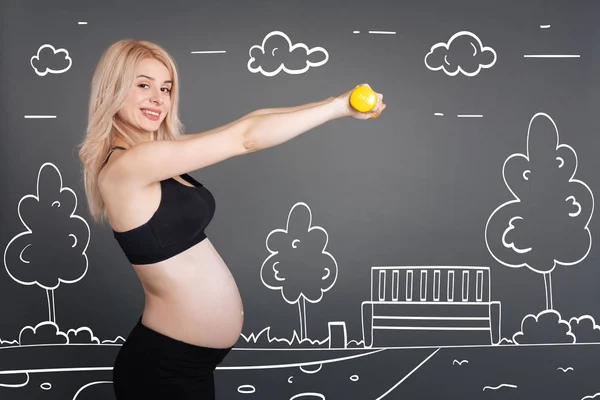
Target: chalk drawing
pixel 299 266
pixel 50 251
pixel 532 329
pixel 552 56
pixel 308 395
pixel 464 53
pixel 407 376
pixel 591 397
pixel 275 55
pixel 508 385
pixel 62 239
pixel 209 52
pixel 45 57
pixel 454 308
pixel 515 234
pixel 246 389
pixel 91 384
pixel 376 32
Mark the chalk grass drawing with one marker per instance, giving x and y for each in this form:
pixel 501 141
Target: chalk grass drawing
pixel 464 53
pixel 430 306
pixel 564 369
pixel 275 55
pixel 299 266
pixel 591 397
pixel 52 249
pixel 503 385
pixel 546 224
pixel 48 61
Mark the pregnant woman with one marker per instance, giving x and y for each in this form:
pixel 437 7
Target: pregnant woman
pixel 136 165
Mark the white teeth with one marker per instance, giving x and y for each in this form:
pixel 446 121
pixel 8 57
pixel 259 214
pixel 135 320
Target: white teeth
pixel 150 112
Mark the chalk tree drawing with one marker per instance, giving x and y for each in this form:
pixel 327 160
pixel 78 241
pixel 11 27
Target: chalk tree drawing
pixel 277 53
pixel 464 53
pixel 298 265
pixel 48 61
pixel 52 249
pixel 547 222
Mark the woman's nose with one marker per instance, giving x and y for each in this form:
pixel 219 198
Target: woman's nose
pixel 156 98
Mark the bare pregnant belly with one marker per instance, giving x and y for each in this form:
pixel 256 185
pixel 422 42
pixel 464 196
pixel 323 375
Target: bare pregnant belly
pixel 192 297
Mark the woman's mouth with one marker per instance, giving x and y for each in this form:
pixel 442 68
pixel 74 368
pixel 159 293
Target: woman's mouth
pixel 151 115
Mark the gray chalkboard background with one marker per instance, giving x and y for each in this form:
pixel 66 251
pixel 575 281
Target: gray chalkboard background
pixel 460 224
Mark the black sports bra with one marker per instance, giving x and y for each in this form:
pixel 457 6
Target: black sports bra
pixel 179 222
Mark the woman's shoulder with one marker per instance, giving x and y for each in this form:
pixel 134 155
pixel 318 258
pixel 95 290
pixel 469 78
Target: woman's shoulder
pixel 107 177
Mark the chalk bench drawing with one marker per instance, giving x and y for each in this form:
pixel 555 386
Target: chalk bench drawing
pixel 430 305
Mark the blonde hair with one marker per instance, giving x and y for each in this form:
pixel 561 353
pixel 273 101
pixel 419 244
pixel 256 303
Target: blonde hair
pixel 112 80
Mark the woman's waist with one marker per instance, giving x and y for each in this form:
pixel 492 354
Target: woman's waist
pixel 198 273
pixel 212 287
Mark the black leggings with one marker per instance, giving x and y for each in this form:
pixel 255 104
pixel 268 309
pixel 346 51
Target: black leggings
pixel 151 365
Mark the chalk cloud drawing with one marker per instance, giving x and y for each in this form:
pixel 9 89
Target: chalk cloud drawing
pixel 464 53
pixel 549 207
pixel 52 249
pixel 48 61
pixel 276 54
pixel 299 266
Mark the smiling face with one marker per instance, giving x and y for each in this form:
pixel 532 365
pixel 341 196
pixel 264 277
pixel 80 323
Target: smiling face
pixel 149 100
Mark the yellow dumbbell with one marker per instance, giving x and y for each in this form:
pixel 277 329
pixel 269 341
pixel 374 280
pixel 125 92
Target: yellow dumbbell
pixel 363 99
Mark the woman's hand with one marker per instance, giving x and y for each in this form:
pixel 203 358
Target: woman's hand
pixel 349 111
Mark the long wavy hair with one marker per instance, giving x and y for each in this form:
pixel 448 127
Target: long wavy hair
pixel 112 80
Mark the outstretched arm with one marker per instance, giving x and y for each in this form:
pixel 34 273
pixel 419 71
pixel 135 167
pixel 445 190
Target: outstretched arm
pixel 154 161
pixel 261 111
pixel 287 109
pixel 271 129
